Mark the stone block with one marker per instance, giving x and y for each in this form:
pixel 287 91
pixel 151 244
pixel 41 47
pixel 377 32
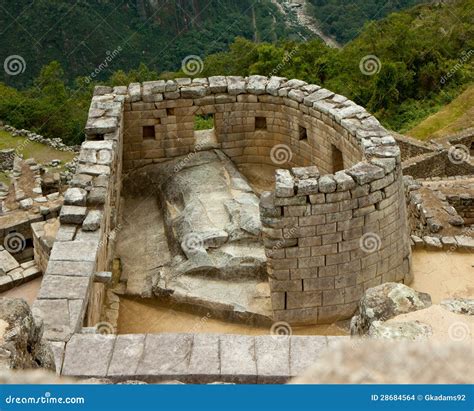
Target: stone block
pixel 72 214
pixel 88 355
pixel 165 355
pixel 74 251
pixel 204 363
pixel 327 184
pixel 365 173
pixel 92 220
pixel 304 351
pixel 128 350
pixel 273 358
pixel 64 287
pixel 284 184
pixel 70 268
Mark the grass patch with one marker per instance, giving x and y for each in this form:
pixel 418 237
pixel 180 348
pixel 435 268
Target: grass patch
pixel 4 178
pixel 32 149
pixel 203 122
pixel 452 118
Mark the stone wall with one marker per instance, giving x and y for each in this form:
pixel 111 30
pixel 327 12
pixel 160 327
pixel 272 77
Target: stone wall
pixel 7 158
pixel 251 117
pixel 464 205
pixel 438 164
pixel 328 237
pixel 409 147
pixel 84 240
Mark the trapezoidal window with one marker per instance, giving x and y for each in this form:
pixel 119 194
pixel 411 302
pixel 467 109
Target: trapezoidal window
pixel 148 132
pixel 337 159
pixel 170 111
pixel 260 123
pixel 203 122
pixel 302 133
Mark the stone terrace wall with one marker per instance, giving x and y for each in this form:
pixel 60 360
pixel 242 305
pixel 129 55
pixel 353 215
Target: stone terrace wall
pixel 410 147
pixel 84 241
pixel 238 105
pixel 439 164
pixel 328 237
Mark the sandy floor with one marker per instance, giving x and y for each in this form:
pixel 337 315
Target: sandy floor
pixel 443 274
pixel 27 291
pixel 440 274
pixel 145 316
pixel 446 325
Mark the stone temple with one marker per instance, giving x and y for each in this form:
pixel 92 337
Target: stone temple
pixel 283 212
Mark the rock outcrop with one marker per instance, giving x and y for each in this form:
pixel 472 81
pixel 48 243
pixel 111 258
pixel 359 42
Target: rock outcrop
pixel 459 305
pixel 384 302
pixel 21 344
pixel 409 330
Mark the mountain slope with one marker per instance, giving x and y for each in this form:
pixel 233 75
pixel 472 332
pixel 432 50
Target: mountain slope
pixel 452 118
pixel 106 35
pixel 343 20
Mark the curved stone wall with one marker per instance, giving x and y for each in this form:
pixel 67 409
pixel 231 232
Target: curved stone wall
pixel 336 222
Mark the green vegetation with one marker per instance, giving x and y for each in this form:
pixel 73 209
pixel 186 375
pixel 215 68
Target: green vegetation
pixel 203 122
pixel 31 149
pixel 4 178
pixel 344 20
pixel 423 61
pixel 81 34
pixel 452 118
pixel 419 65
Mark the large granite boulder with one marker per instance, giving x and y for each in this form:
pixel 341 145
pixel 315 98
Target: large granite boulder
pixel 392 362
pixel 211 217
pixel 407 330
pixel 386 301
pixel 21 344
pixel 459 305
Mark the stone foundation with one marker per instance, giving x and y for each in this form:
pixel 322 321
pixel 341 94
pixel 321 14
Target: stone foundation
pixel 334 226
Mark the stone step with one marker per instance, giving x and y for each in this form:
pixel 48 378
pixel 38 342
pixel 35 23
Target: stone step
pixel 192 358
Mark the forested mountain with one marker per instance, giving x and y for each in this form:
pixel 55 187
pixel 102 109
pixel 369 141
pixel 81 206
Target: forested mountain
pixel 82 34
pixel 402 68
pixel 344 19
pixel 160 33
